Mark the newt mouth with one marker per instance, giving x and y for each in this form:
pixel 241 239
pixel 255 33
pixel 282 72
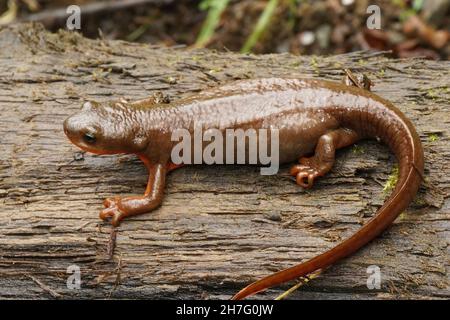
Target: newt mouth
pixel 87 148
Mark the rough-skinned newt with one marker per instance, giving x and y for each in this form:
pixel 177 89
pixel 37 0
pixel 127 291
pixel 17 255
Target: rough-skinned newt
pixel 313 117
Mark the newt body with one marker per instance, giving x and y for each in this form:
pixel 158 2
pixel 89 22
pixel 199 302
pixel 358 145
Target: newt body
pixel 312 116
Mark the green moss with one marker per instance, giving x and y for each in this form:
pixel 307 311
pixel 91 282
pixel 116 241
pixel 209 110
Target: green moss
pixel 392 180
pixel 419 201
pixel 358 149
pixel 432 137
pixel 170 80
pixel 315 64
pixel 215 70
pixel 432 93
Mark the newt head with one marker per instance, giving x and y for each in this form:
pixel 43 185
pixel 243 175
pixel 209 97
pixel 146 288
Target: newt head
pixel 105 129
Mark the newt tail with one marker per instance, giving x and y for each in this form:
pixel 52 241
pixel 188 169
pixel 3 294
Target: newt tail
pixel 404 142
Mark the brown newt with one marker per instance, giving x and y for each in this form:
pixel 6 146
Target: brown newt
pixel 313 117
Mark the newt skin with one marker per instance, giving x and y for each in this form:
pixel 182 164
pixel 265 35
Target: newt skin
pixel 313 117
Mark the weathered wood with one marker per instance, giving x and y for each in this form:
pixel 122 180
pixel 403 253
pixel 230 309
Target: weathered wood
pixel 213 233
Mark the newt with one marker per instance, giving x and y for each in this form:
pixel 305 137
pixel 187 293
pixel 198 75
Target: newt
pixel 314 119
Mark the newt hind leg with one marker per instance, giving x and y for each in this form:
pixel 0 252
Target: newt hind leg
pixel 323 159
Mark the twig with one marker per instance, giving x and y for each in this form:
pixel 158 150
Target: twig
pixel 111 243
pixel 83 225
pixel 303 281
pixel 117 282
pixel 44 287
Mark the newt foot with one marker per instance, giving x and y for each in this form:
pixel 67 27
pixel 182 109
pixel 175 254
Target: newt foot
pixel 112 210
pixel 305 173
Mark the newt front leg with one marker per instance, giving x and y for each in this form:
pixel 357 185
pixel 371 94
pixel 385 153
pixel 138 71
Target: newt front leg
pixel 118 208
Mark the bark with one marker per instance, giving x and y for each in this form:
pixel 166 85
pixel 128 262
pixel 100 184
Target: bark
pixel 219 228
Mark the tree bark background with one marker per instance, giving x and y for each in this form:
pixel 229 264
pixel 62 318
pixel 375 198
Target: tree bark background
pixel 220 227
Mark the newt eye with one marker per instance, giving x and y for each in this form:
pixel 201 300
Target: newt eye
pixel 89 138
